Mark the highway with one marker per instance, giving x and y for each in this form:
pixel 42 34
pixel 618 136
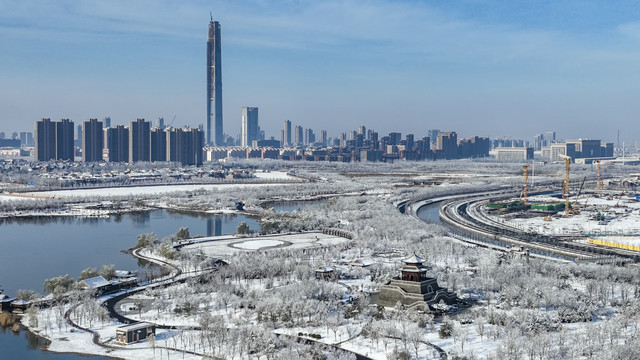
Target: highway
pixel 467 220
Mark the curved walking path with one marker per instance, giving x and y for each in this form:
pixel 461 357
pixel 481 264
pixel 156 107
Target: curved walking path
pixel 110 302
pixel 170 279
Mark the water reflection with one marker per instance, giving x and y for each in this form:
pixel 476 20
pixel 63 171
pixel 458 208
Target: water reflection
pixel 45 247
pixel 214 226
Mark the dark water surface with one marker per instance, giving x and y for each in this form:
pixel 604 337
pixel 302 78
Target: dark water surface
pixel 429 213
pixel 34 249
pixel 26 346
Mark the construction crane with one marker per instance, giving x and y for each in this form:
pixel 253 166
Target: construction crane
pixel 525 168
pixel 599 180
pixel 565 186
pixel 575 206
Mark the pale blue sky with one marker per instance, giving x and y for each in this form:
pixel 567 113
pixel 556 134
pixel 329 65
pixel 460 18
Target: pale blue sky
pixel 490 68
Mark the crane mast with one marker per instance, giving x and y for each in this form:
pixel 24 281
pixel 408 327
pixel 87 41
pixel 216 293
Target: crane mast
pixel 525 168
pixel 599 180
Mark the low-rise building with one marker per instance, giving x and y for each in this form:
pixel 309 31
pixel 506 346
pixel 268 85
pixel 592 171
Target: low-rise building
pixel 133 333
pixel 512 154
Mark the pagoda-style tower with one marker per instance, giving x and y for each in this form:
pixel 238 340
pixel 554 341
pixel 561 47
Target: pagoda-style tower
pixel 413 270
pixel 414 288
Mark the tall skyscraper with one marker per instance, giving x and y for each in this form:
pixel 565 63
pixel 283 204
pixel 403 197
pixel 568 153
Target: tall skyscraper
pixel 92 140
pixel 249 126
pixel 214 85
pixel 287 133
pixel 139 141
pixel 45 133
pixel 64 140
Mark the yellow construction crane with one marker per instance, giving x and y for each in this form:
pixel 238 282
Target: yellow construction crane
pixel 599 180
pixel 525 168
pixel 565 186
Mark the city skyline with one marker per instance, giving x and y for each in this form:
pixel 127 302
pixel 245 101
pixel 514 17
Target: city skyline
pixel 494 69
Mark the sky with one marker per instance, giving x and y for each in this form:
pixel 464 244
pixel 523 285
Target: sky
pixel 488 68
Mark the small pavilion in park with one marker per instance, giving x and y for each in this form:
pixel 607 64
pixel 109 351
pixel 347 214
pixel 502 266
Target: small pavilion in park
pixel 413 288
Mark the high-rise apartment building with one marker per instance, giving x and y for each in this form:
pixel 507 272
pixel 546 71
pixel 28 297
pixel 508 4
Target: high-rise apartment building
pixel 158 144
pixel 395 138
pixel 299 136
pixel 78 140
pixel 118 140
pixel 249 131
pixel 409 142
pixel 309 137
pixel 447 144
pixel 214 86
pixel 185 146
pixel 433 135
pixel 45 134
pixel 92 140
pixel 139 141
pixel 323 137
pixel 287 133
pixel 26 138
pixel 64 140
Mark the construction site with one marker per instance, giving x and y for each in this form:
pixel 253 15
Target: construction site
pixel 595 210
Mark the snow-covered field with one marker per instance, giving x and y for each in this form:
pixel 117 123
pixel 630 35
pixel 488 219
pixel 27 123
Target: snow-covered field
pixel 274 175
pixel 144 190
pixel 257 244
pixel 12 198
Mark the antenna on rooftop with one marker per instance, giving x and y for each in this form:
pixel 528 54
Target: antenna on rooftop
pixel 211 15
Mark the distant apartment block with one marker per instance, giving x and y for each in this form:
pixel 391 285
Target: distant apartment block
pixel 512 154
pixel 64 140
pixel 139 141
pixel 118 140
pixel 447 145
pixel 249 128
pixel 577 149
pixel 54 140
pixel 185 146
pixel 299 136
pixel 92 140
pixel 158 144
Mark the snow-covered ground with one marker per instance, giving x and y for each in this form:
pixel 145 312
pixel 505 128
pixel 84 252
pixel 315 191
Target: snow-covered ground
pixel 144 190
pixel 621 216
pixel 223 246
pixel 7 198
pixel 257 244
pixel 274 175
